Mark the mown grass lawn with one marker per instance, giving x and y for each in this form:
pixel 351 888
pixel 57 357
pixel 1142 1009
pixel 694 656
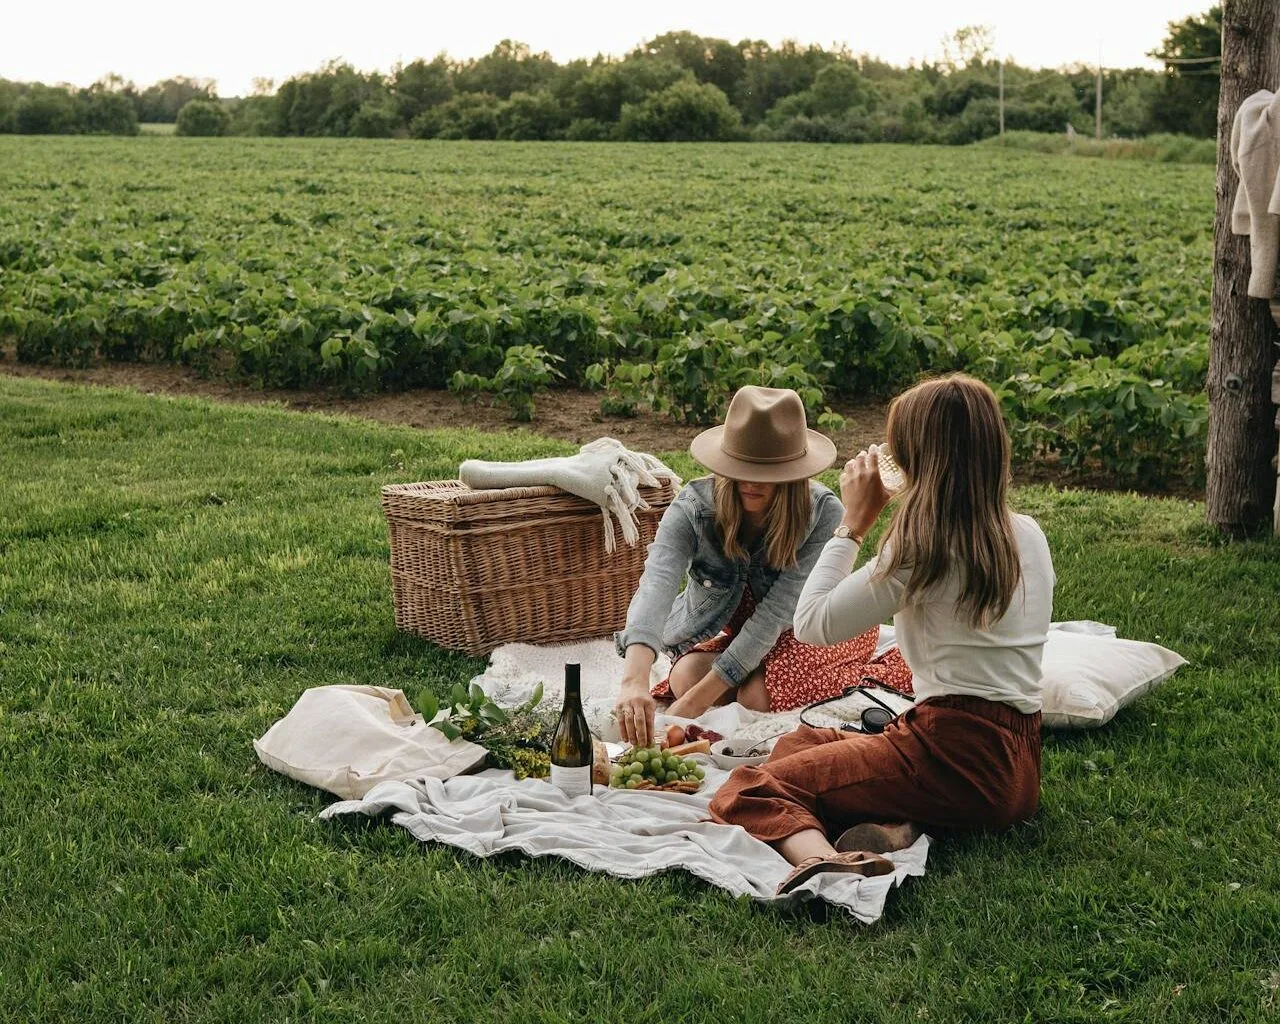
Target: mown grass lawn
pixel 174 573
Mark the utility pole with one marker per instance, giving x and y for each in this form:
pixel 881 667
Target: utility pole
pixel 1241 484
pixel 1001 99
pixel 1097 101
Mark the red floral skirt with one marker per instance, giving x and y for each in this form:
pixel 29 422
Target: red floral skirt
pixel 796 674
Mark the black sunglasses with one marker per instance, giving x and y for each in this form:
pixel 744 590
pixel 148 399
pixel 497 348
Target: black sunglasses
pixel 870 720
pixel 874 719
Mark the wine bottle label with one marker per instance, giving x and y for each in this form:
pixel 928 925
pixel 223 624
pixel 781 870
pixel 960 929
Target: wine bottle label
pixel 572 781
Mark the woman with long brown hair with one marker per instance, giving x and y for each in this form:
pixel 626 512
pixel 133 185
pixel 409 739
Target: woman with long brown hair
pixel 970 587
pixel 746 538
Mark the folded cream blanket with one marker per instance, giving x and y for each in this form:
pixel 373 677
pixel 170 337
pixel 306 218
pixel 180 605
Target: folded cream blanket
pixel 605 472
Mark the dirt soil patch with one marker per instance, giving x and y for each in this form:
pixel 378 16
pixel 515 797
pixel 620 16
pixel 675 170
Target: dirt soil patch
pixel 568 414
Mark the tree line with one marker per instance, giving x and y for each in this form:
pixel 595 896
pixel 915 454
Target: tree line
pixel 111 106
pixel 676 87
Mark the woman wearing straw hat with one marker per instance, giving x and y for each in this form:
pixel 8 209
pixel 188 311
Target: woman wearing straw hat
pixel 747 538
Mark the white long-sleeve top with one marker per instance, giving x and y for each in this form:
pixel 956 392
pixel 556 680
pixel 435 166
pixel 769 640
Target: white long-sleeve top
pixel 946 655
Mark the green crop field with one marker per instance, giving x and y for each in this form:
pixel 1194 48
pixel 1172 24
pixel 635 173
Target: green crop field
pixel 663 274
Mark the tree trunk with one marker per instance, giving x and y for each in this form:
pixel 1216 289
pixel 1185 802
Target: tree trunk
pixel 1275 400
pixel 1243 336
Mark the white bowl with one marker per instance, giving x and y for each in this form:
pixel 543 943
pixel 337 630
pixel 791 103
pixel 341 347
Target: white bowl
pixel 728 762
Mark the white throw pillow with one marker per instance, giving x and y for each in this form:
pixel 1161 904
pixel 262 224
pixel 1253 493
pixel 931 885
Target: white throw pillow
pixel 1088 677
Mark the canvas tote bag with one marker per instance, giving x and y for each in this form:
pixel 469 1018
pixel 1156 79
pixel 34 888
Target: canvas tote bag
pixel 347 739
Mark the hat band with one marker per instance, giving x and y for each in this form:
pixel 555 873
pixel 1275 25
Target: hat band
pixel 763 458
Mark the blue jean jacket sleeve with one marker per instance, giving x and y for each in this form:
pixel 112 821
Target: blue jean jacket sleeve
pixel 774 613
pixel 668 560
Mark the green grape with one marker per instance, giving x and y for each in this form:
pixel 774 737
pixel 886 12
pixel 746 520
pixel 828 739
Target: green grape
pixel 641 755
pixel 698 773
pixel 659 776
pixel 632 782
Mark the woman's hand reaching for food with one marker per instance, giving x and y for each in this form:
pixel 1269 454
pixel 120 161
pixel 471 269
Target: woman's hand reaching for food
pixel 635 709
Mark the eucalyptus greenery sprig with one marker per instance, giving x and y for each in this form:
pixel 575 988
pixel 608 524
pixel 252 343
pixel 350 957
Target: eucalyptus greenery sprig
pixel 517 738
pixel 469 709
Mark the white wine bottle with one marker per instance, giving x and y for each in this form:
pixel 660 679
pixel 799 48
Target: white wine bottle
pixel 571 752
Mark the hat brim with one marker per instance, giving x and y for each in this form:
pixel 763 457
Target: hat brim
pixel 820 453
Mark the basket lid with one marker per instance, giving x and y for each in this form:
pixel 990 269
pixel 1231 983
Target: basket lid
pixel 454 501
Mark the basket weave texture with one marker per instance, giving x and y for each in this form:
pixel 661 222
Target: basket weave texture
pixel 473 569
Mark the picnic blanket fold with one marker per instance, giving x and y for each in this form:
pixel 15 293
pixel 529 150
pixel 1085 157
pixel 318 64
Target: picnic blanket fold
pixel 619 832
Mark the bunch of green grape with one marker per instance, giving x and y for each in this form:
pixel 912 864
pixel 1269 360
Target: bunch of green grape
pixel 655 765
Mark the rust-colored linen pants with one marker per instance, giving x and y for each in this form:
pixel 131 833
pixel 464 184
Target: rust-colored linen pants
pixel 947 764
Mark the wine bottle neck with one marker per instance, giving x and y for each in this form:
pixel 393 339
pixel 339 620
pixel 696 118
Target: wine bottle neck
pixel 573 685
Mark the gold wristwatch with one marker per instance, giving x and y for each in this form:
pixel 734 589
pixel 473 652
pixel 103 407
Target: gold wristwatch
pixel 845 533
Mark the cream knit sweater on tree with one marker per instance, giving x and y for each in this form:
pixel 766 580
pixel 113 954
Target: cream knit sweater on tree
pixel 1255 155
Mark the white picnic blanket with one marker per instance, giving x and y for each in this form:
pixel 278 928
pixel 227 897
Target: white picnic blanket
pixel 618 832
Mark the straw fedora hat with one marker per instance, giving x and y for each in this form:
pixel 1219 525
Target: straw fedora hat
pixel 764 439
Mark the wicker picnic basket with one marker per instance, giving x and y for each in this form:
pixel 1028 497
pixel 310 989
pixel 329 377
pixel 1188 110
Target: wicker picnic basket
pixel 472 569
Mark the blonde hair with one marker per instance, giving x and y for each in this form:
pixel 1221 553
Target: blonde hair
pixel 950 440
pixel 786 521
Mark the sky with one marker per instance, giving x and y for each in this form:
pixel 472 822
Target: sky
pixel 236 41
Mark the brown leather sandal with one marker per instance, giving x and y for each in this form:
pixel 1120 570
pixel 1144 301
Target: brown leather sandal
pixel 850 862
pixel 875 837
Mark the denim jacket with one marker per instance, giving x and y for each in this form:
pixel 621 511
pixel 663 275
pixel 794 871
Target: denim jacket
pixel 688 542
